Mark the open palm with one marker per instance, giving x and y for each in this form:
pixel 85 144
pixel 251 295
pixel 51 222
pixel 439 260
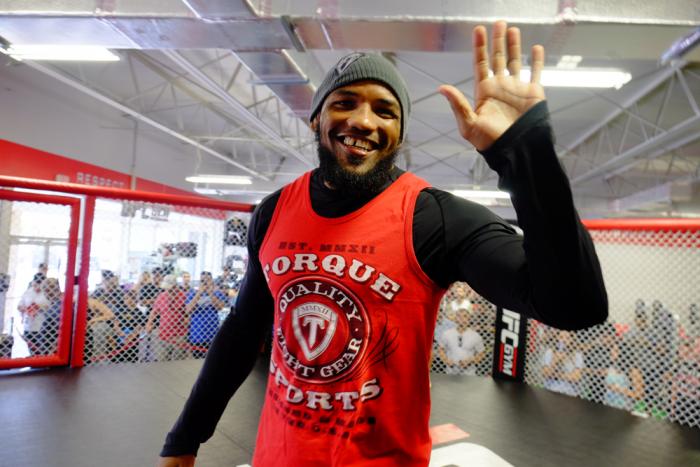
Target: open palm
pixel 500 98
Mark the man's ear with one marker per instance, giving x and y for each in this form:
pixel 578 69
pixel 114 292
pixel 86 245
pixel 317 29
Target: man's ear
pixel 314 123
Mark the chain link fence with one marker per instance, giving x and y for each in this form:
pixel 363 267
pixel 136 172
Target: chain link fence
pixel 163 278
pixel 33 262
pixel 646 358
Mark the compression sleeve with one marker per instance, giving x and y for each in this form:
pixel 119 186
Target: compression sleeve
pixel 552 272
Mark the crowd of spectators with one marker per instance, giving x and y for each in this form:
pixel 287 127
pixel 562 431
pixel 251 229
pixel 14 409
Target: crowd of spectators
pixel 163 316
pixel 649 366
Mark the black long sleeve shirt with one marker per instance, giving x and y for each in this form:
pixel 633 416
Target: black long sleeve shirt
pixel 550 273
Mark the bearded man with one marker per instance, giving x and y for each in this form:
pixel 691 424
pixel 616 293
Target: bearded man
pixel 348 264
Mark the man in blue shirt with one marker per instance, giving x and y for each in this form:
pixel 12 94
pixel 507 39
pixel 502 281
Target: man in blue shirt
pixel 203 307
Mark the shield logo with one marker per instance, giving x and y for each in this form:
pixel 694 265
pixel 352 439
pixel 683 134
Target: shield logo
pixel 314 325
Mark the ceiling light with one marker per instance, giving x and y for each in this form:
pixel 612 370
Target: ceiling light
pixel 580 77
pixel 76 53
pixel 481 194
pixel 569 61
pixel 220 179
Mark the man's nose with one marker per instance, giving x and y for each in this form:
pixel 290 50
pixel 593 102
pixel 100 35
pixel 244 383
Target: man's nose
pixel 363 118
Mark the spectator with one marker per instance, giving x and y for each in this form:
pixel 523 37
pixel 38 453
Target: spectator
pixel 186 285
pixel 694 328
pixel 131 320
pixel 624 383
pixel 109 292
pixel 203 308
pixel 562 365
pixel 596 356
pixel 99 331
pixel 460 298
pixel 32 306
pixel 51 325
pixel 461 347
pixel 686 385
pixel 664 352
pixel 148 290
pixel 169 307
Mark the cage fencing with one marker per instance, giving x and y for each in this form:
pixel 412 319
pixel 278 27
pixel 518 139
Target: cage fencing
pixel 158 273
pixel 163 277
pixel 38 235
pixel 646 358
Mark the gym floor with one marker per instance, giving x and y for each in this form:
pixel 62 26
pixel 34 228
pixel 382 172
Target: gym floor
pixel 118 415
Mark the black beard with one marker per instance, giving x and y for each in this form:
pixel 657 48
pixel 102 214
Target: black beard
pixel 351 184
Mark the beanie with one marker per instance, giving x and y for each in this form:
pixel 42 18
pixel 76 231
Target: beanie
pixel 359 66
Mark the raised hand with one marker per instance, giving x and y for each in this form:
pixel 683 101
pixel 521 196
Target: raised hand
pixel 500 99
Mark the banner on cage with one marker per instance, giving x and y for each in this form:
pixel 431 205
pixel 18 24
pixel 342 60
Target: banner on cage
pixel 510 344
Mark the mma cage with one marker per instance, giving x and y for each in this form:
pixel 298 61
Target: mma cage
pixel 103 276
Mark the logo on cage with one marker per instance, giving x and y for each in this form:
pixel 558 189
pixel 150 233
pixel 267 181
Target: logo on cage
pixel 509 342
pixel 322 329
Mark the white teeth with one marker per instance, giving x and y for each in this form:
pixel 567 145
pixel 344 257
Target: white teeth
pixel 350 141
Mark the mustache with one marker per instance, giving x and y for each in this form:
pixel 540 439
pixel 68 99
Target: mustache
pixel 351 184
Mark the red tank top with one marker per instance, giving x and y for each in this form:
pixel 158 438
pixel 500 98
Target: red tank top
pixel 353 330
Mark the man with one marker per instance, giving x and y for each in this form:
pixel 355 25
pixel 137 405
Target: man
pixel 32 307
pixel 186 285
pixel 203 309
pixel 169 308
pixel 461 347
pixel 357 255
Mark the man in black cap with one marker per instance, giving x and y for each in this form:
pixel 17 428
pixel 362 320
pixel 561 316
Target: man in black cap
pixel 350 260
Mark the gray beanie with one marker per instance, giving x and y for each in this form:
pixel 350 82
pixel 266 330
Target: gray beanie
pixel 359 66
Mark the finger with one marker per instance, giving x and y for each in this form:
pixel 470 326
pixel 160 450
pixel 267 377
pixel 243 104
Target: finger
pixel 462 110
pixel 498 57
pixel 481 58
pixel 514 59
pixel 537 63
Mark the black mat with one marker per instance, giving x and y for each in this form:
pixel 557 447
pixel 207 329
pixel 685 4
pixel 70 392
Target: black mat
pixel 118 415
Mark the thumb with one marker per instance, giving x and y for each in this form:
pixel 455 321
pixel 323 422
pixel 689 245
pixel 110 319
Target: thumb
pixel 462 110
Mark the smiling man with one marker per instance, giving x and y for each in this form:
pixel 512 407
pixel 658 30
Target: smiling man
pixel 348 264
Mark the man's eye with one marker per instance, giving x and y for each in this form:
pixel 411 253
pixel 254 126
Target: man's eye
pixel 385 113
pixel 343 104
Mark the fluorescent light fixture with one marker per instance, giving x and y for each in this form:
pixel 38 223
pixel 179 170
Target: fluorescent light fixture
pixel 569 62
pixel 481 194
pixel 580 77
pixel 220 179
pixel 75 53
pixel 229 192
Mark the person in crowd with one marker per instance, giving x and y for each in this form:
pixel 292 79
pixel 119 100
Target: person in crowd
pixel 462 347
pixel 225 281
pixel 147 293
pixel 32 307
pixel 110 292
pixel 186 284
pixel 624 382
pixel 596 357
pixel 51 325
pixel 365 250
pixel 169 307
pixel 460 299
pixel 131 321
pixel 685 393
pixel 203 307
pixel 562 366
pixel 663 354
pixel 693 331
pixel 101 329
